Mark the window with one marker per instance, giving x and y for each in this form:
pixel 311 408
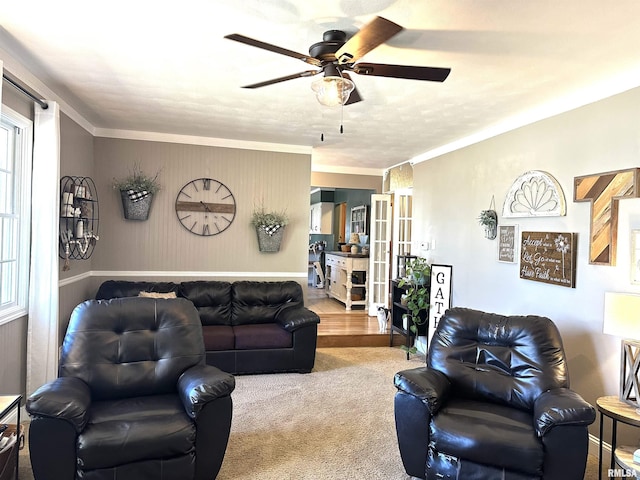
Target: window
pixel 16 133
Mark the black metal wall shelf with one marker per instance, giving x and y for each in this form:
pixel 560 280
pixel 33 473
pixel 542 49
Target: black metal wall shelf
pixel 79 218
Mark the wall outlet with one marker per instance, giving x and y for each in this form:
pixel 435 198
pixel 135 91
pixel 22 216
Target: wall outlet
pixel 427 245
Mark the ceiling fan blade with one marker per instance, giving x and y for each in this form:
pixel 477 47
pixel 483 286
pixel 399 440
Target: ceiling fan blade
pixel 354 97
pixel 432 74
pixel 272 48
pixel 374 33
pixel 307 73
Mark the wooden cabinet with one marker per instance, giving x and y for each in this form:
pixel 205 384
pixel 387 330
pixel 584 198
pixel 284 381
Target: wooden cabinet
pixel 346 276
pixel 321 218
pixel 398 310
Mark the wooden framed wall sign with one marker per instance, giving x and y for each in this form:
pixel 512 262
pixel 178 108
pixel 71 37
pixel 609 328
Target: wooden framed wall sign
pixel 507 243
pixel 604 191
pixel 439 295
pixel 549 257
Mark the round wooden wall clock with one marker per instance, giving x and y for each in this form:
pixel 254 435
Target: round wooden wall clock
pixel 205 207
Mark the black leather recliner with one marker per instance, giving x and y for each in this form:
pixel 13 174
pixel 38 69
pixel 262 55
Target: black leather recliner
pixel 134 398
pixel 493 402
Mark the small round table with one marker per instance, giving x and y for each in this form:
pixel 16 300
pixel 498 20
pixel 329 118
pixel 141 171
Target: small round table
pixel 617 411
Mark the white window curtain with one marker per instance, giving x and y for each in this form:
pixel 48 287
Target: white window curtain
pixel 42 334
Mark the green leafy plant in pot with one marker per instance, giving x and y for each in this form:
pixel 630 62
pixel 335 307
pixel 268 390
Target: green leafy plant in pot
pixel 136 191
pixel 416 281
pixel 269 227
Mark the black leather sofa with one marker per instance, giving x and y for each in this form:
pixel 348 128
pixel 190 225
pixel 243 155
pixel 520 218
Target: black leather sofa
pixel 248 326
pixel 134 398
pixel 492 402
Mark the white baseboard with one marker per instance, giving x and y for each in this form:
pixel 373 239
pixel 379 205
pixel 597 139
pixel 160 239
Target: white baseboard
pixel 594 445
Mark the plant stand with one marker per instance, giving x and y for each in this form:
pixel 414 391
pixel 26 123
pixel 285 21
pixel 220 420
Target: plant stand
pixel 136 205
pixel 270 238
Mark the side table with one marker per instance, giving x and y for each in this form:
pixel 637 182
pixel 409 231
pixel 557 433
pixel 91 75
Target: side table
pixel 617 411
pixel 8 403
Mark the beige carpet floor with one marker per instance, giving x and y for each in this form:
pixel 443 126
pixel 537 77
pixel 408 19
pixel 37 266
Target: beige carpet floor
pixel 333 424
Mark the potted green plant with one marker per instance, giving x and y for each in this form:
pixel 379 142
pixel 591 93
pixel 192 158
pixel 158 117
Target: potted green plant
pixel 269 227
pixel 136 191
pixel 418 272
pixel 489 220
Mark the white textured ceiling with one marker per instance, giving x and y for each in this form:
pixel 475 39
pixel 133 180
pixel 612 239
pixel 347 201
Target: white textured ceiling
pixel 165 67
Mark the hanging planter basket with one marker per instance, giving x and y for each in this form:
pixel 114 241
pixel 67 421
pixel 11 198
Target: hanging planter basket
pixel 489 221
pixel 270 237
pixel 136 205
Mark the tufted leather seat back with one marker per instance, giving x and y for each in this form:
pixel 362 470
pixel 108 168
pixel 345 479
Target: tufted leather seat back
pixel 119 288
pixel 131 346
pixel 212 299
pixel 509 360
pixel 259 302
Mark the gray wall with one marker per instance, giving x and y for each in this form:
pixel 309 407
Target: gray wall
pixel 450 191
pixel 279 181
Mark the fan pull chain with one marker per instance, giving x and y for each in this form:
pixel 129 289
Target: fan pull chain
pixel 341 122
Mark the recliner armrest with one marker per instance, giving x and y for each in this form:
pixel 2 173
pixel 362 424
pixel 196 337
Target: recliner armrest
pixel 201 384
pixel 294 318
pixel 65 398
pixel 561 406
pixel 430 386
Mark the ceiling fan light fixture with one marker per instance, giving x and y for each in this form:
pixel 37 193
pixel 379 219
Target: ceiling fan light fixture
pixel 332 91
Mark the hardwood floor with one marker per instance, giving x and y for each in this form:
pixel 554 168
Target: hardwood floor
pixel 341 328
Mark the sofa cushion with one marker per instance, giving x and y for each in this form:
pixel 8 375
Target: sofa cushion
pixel 212 300
pixel 487 433
pixel 131 346
pixel 119 431
pixel 125 288
pixel 503 359
pixel 260 302
pixel 157 295
pixel 262 336
pixel 218 337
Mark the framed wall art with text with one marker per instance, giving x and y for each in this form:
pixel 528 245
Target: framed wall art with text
pixel 549 257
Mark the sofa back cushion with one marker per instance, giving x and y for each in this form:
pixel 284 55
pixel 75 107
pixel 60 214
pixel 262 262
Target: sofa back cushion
pixel 509 360
pixel 212 299
pixel 259 302
pixel 131 346
pixel 125 288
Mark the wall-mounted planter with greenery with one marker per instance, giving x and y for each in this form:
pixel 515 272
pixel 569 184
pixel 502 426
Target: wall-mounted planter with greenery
pixel 136 192
pixel 489 220
pixel 269 228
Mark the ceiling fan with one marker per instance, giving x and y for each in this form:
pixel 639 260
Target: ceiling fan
pixel 336 56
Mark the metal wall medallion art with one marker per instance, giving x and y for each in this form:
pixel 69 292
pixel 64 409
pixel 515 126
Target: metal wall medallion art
pixel 535 194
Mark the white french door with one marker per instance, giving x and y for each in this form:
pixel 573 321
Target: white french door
pixel 379 253
pixel 402 223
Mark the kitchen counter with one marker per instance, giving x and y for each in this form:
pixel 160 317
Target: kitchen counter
pixel 348 254
pixel 346 275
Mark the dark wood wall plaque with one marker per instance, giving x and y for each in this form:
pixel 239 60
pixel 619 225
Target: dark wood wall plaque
pixel 549 257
